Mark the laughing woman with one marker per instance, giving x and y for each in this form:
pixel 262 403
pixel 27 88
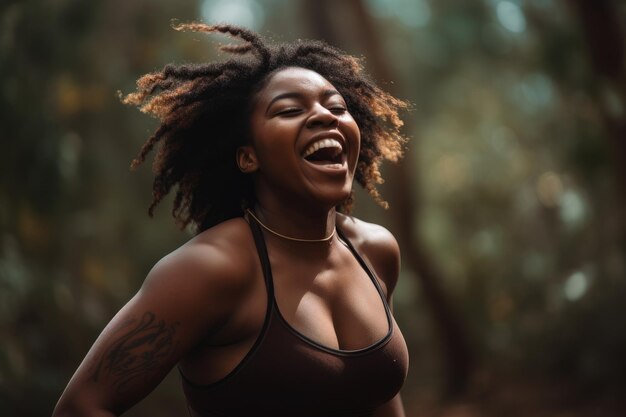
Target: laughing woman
pixel 280 305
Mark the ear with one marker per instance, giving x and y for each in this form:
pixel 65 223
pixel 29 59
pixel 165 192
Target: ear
pixel 246 159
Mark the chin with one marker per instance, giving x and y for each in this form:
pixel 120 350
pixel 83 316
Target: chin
pixel 332 198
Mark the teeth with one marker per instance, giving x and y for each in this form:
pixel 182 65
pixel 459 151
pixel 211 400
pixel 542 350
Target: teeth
pixel 324 143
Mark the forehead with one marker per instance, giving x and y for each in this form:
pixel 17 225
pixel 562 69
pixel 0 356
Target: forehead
pixel 293 79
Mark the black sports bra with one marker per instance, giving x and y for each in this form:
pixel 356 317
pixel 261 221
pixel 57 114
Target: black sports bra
pixel 286 374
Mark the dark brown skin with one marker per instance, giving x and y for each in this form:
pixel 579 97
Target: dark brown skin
pixel 204 304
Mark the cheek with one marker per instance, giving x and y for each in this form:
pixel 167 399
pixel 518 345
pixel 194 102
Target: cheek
pixel 352 125
pixel 275 148
pixel 355 132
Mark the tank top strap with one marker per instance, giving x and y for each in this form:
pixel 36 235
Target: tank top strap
pixel 261 248
pixel 370 272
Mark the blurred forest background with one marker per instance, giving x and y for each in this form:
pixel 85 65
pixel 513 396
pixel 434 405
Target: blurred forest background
pixel 509 205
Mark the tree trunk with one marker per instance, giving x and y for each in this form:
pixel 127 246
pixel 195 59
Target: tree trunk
pixel 604 34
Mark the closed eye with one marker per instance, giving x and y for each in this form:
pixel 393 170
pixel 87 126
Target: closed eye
pixel 338 109
pixel 291 111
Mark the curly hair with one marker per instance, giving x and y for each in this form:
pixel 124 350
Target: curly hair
pixel 201 108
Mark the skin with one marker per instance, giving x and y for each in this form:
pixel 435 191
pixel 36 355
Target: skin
pixel 203 305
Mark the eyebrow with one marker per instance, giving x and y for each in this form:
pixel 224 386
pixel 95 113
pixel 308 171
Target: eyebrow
pixel 325 94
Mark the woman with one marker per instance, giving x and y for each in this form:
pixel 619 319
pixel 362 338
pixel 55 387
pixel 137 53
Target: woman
pixel 279 306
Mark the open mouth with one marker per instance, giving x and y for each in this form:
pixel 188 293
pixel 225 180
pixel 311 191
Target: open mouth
pixel 325 152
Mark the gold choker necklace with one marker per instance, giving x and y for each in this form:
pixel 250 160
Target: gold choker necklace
pixel 295 239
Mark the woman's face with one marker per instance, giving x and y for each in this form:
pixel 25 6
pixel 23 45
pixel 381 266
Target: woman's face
pixel 305 143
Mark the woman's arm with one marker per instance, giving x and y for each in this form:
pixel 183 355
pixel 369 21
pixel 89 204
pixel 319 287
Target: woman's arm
pixel 184 298
pixel 131 356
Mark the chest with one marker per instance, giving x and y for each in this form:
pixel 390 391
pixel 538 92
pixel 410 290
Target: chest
pixel 336 302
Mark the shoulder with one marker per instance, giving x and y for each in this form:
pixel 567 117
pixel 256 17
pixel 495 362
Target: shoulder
pixel 377 245
pixel 215 269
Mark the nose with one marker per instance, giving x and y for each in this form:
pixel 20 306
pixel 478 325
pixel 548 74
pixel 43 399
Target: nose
pixel 321 117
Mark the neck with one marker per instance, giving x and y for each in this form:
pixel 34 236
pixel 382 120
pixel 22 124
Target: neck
pixel 296 224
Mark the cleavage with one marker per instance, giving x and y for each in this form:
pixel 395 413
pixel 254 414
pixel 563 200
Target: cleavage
pixel 332 302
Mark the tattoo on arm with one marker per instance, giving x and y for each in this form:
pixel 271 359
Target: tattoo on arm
pixel 138 352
